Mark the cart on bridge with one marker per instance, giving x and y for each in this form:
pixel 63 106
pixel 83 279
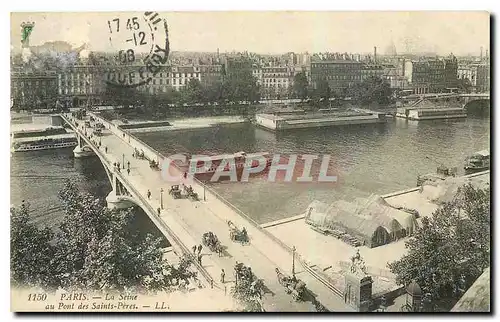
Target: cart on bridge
pixel 211 241
pixel 175 192
pixel 237 235
pixel 189 192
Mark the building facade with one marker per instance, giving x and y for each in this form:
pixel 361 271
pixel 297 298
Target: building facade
pixel 372 70
pixel 339 74
pixel 431 75
pixel 483 78
pixel 33 90
pixel 79 85
pixel 274 81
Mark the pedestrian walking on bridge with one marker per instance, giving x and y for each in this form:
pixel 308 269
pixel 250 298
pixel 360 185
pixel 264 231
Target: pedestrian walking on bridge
pixel 222 275
pixel 128 164
pixel 106 149
pixel 128 171
pixel 158 210
pixel 199 258
pixel 194 249
pixel 149 194
pixel 199 249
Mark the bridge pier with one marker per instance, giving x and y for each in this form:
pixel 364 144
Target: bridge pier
pixel 117 198
pixel 82 150
pixel 115 201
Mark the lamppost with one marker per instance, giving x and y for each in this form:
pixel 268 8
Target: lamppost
pixel 161 198
pixel 123 159
pixel 293 261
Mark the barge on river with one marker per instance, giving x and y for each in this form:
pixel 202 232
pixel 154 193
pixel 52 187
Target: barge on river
pixel 426 113
pixel 42 138
pixel 207 166
pixel 479 161
pixel 299 119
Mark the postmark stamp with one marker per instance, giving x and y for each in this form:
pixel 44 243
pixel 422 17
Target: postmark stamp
pixel 142 48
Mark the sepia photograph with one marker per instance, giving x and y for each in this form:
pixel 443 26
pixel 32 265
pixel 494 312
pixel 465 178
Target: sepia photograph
pixel 250 161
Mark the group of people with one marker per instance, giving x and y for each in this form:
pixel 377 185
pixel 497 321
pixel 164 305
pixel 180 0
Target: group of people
pixel 198 249
pixel 117 166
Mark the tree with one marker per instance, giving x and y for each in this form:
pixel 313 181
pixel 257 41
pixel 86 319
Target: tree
pixel 371 90
pixel 300 86
pixel 31 257
pixel 96 249
pixel 193 91
pixel 321 94
pixel 248 292
pixel 241 85
pixel 451 249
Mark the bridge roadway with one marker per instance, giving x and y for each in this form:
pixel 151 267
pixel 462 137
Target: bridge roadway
pixel 191 219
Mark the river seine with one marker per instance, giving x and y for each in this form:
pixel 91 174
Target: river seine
pixel 371 159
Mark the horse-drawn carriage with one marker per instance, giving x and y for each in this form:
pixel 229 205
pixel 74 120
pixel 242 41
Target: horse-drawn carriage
pixel 243 272
pixel 211 241
pixel 292 285
pixel 139 154
pixel 237 235
pixel 175 191
pixel 189 192
pixel 154 165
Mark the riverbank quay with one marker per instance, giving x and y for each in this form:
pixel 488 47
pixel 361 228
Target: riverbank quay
pixel 330 256
pixel 177 125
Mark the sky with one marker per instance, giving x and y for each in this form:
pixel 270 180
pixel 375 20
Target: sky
pixel 442 32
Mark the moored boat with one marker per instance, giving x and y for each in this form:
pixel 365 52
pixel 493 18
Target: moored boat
pixel 42 139
pixel 206 167
pixel 479 161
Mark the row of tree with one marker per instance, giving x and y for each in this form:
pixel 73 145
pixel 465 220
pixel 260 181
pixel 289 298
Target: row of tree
pixel 93 249
pixel 235 87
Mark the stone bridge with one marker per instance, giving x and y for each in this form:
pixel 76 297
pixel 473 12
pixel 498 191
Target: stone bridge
pixel 184 221
pixel 464 99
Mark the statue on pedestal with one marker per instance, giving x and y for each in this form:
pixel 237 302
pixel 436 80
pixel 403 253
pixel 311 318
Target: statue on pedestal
pixel 358 266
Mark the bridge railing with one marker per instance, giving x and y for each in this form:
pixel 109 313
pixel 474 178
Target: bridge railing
pixel 139 144
pixel 184 249
pixel 206 275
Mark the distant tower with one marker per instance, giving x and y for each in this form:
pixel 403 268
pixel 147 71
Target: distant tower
pixel 26 29
pixel 375 54
pixel 481 55
pixel 390 50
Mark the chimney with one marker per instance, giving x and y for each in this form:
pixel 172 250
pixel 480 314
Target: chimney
pixel 481 56
pixel 375 54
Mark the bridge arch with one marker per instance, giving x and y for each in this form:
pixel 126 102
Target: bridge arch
pixel 477 105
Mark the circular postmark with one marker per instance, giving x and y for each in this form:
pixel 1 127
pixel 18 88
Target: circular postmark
pixel 142 48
